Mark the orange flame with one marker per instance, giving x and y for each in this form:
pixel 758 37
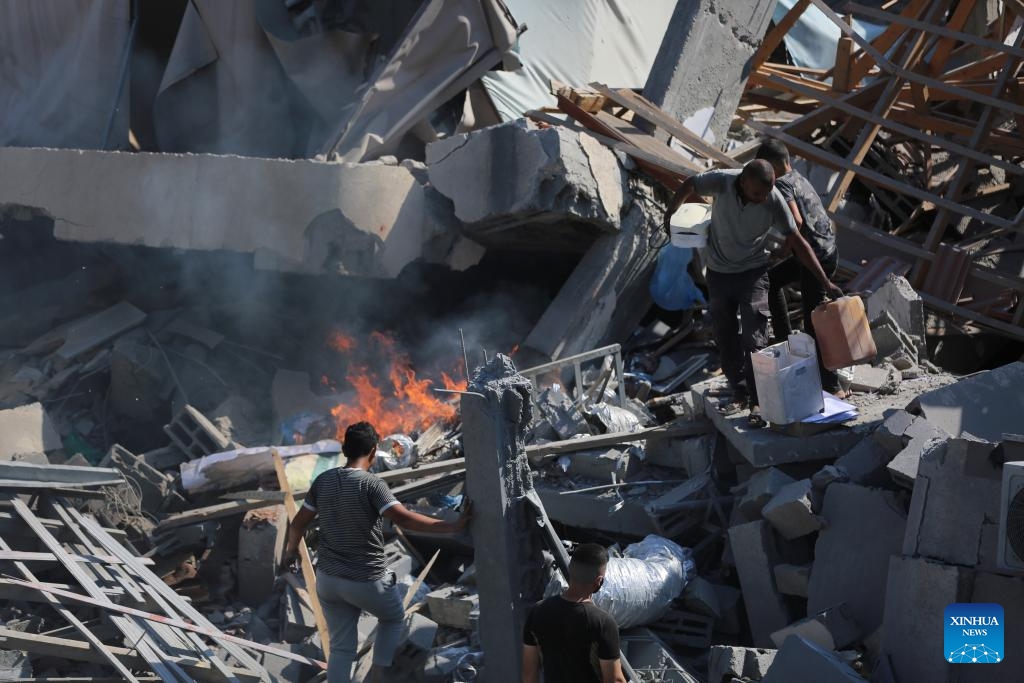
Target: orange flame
pixel 341 342
pixel 401 402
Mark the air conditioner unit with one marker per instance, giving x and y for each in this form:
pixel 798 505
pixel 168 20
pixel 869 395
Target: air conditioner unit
pixel 1010 555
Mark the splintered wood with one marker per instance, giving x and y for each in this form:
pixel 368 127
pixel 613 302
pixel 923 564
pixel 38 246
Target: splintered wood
pixel 157 630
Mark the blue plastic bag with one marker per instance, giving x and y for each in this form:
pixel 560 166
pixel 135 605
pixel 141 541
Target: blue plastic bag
pixel 672 288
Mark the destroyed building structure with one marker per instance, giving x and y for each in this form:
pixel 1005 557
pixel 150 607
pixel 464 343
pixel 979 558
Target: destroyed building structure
pixel 230 228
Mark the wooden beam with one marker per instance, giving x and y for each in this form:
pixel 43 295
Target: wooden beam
pixel 649 111
pixel 841 81
pixel 889 36
pixel 8 555
pixel 776 35
pixel 945 45
pixel 81 651
pixel 813 153
pixel 917 133
pixel 291 509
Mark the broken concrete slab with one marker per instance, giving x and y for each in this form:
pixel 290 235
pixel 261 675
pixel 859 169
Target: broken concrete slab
pixel 898 298
pixel 864 527
pixel 789 511
pixel 793 579
pixel 890 435
pixel 766 447
pixel 904 467
pixel 728 662
pixel 918 592
pixel 606 295
pixel 28 434
pixel 562 178
pixel 699 596
pixel 89 333
pixel 801 660
pixel 986 404
pixel 596 510
pixel 698 75
pixel 452 605
pixel 957 492
pixel 601 465
pixel 865 464
pixel 870 379
pixel 754 551
pixel 761 488
pixel 561 412
pixel 832 629
pixel 311 216
pixel 691 455
pixel 260 540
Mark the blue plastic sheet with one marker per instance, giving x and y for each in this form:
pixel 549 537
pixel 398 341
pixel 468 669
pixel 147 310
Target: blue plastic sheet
pixel 672 288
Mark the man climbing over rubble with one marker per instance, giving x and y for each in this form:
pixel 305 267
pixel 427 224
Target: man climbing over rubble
pixel 570 637
pixel 351 570
pixel 815 225
pixel 746 207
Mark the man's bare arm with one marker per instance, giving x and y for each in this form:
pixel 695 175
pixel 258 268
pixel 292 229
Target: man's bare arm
pixel 678 198
pixel 296 530
pixel 611 671
pixel 531 664
pixel 802 250
pixel 414 521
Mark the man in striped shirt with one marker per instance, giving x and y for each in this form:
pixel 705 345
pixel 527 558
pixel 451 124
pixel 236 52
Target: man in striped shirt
pixel 351 571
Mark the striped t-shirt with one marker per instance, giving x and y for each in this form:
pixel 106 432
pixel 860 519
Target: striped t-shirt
pixel 349 503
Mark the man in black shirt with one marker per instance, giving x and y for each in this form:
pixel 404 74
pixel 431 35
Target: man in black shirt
pixel 568 635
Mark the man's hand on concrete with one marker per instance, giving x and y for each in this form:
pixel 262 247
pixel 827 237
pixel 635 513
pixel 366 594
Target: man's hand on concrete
pixel 833 290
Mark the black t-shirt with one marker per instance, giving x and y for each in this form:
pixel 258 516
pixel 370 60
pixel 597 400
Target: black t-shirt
pixel 572 637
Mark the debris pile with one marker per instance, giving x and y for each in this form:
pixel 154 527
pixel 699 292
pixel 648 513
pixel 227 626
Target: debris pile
pixel 175 374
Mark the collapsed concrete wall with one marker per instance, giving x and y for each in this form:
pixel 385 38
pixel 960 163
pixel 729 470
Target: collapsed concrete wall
pixel 697 76
pixel 299 216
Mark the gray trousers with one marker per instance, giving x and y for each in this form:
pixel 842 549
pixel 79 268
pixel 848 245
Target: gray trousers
pixel 342 602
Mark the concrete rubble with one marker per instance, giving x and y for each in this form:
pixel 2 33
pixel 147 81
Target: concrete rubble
pixel 176 318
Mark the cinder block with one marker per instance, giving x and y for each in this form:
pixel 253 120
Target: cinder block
pixel 452 605
pixel 801 660
pixel 832 629
pixel 754 552
pixel 793 579
pixel 864 527
pixel 601 465
pixel 727 662
pixel 789 511
pixel 865 463
pixel 761 487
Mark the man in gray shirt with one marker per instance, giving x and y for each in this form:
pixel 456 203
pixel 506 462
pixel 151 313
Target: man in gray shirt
pixel 746 207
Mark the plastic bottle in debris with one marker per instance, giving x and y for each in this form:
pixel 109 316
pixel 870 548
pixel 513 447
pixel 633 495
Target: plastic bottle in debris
pixel 844 336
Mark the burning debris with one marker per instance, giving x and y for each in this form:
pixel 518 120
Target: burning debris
pixel 173 399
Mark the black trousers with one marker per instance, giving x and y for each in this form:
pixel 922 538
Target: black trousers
pixel 745 294
pixel 813 295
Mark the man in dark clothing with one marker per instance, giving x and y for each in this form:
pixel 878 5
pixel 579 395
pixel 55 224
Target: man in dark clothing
pixel 815 225
pixel 746 208
pixel 352 570
pixel 568 635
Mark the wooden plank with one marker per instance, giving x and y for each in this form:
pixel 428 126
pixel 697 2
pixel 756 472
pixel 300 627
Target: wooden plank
pixel 291 509
pixel 8 555
pixel 81 651
pixel 841 81
pixel 209 512
pixel 156 586
pixel 937 29
pixel 889 36
pixel 127 627
pixel 107 656
pixel 918 134
pixel 945 45
pixel 1008 329
pixel 1006 144
pixel 908 75
pixel 543 452
pixel 776 35
pixel 646 109
pixel 680 172
pixel 813 153
pixel 966 169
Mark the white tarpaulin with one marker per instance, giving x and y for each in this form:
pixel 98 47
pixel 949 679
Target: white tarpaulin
pixel 611 41
pixel 60 64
